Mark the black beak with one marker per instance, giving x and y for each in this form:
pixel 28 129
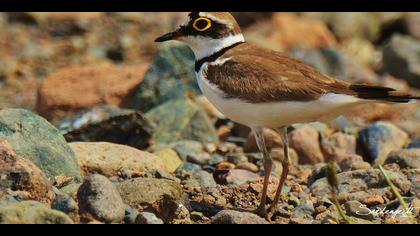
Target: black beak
pixel 168 36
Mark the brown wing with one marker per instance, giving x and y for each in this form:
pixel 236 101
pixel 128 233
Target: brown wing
pixel 259 75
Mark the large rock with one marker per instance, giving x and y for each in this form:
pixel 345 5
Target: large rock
pixel 23 178
pixel 113 159
pixel 401 58
pixel 379 139
pixel 99 198
pixel 33 138
pixel 237 217
pixel 99 84
pixel 170 77
pixel 147 193
pixel 406 158
pixel 179 120
pixel 108 123
pixel 31 212
pixel 305 141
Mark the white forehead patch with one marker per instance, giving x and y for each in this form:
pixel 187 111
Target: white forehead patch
pixel 210 16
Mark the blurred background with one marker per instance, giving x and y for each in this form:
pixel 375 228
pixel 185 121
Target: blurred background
pixel 100 77
pixel 56 63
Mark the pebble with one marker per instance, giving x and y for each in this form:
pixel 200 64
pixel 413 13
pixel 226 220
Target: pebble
pixel 356 209
pixel 305 141
pixel 379 139
pixel 99 198
pixel 130 215
pixel 406 158
pixel 170 159
pixel 148 218
pixel 236 217
pixel 248 166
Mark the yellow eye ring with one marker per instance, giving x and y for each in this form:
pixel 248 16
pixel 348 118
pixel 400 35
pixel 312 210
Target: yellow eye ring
pixel 198 20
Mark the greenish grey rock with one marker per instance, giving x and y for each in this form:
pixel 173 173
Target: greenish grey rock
pixel 187 149
pixel 34 138
pixel 179 120
pixel 71 189
pixel 401 58
pixel 170 77
pixel 31 212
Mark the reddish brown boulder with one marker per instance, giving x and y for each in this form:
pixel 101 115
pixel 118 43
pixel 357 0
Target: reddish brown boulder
pixel 78 87
pixel 23 178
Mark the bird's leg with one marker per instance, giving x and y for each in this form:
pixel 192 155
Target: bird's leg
pixel 268 164
pixel 285 165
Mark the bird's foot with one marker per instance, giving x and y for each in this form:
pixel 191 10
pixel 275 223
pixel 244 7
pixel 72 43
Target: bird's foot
pixel 261 211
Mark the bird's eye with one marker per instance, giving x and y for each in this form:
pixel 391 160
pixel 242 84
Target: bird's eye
pixel 202 24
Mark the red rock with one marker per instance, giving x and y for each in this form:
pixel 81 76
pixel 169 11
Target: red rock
pixel 26 180
pixel 289 30
pixel 305 141
pixel 78 87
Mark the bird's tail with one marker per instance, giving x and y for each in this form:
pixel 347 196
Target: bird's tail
pixel 382 93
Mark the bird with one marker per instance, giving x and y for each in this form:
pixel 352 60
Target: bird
pixel 262 88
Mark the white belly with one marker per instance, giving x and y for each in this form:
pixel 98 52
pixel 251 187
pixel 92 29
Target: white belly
pixel 276 114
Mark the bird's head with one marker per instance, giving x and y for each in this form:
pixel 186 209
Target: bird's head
pixel 206 32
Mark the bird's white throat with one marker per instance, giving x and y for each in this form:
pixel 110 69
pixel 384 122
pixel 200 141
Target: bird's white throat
pixel 204 46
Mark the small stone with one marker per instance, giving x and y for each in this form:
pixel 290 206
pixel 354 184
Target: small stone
pixel 353 162
pixel 98 198
pixel 338 145
pixel 216 159
pixel 148 218
pixel 225 166
pixel 356 209
pixel 237 158
pixel 305 141
pixel 235 176
pixel 130 215
pixel 110 159
pixel 188 167
pixel 200 159
pixel 406 158
pixel 170 159
pixel 248 166
pixel 236 217
pixel 414 144
pixel 141 193
pixel 67 205
pixel 401 58
pixel 379 139
pixel 373 200
pixel 205 180
pixel 416 206
pixel 188 148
